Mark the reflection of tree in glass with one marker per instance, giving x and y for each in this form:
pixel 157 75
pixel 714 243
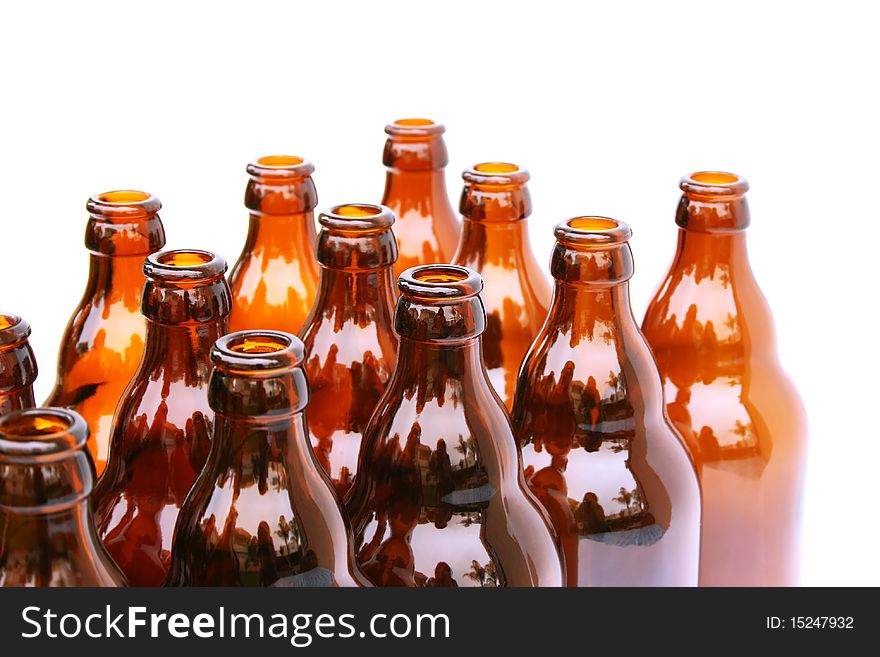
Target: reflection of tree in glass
pixel 483 575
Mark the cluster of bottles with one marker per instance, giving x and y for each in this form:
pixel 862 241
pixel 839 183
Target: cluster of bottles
pixel 469 426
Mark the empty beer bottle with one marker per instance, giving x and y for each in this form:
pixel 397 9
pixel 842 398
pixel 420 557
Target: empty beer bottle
pixel 274 281
pixel 597 448
pixel 47 533
pixel 161 432
pixel 439 498
pixel 104 339
pixel 712 333
pixel 349 337
pixel 263 512
pixel 494 241
pixel 18 367
pixel 415 190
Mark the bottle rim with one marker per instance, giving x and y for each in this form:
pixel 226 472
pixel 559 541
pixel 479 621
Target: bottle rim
pixel 13 329
pixel 714 183
pixel 439 282
pixel 356 218
pixel 123 204
pixel 496 174
pixel 41 434
pixel 415 128
pixel 184 265
pixel 592 230
pixel 257 351
pixel 280 167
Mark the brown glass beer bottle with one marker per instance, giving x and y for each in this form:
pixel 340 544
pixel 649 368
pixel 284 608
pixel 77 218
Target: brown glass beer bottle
pixel 47 533
pixel 439 498
pixel 713 336
pixel 104 339
pixel 162 429
pixel 274 281
pixel 597 449
pixel 18 367
pixel 262 512
pixel 349 337
pixel 494 241
pixel 415 190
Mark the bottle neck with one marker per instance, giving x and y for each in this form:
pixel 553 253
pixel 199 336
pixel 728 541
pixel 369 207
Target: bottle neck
pixel 425 186
pixel 505 243
pixel 117 278
pixel 290 234
pixel 181 352
pixel 431 366
pixel 361 296
pixel 240 443
pixel 592 312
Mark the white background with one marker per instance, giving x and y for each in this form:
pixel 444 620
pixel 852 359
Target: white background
pixel 607 104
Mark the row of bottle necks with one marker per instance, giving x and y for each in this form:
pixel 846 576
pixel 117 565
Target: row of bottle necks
pixel 469 426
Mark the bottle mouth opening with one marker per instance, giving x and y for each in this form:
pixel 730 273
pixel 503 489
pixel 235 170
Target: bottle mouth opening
pixel 123 204
pixel 714 183
pixel 184 265
pixel 496 174
pixel 415 127
pixel 440 282
pixel 592 230
pixel 356 218
pixel 13 329
pixel 280 166
pixel 41 431
pixel 257 350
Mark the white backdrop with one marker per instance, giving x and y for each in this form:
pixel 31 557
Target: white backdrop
pixel 607 104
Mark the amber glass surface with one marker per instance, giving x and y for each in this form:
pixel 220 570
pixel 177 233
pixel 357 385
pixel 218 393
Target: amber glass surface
pixel 162 429
pixel 262 512
pixel 494 241
pixel 713 336
pixel 415 190
pixel 349 337
pixel 439 498
pixel 47 533
pixel 274 281
pixel 597 448
pixel 18 367
pixel 104 339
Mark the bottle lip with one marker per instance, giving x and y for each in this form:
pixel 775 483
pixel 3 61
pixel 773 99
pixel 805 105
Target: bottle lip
pixel 184 265
pixel 123 204
pixel 714 184
pixel 257 351
pixel 281 167
pixel 440 282
pixel 592 230
pixel 356 218
pixel 13 329
pixel 415 128
pixel 496 174
pixel 41 434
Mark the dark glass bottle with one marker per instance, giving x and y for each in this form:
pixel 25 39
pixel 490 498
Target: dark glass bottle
pixel 263 512
pixel 18 367
pixel 439 498
pixel 104 339
pixel 349 336
pixel 47 533
pixel 597 447
pixel 162 429
pixel 415 190
pixel 274 281
pixel 495 203
pixel 713 336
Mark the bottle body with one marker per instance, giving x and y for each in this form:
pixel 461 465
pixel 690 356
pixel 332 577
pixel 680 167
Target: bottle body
pixel 495 204
pixel 439 498
pixel 349 337
pixel 162 429
pixel 18 366
pixel 597 449
pixel 104 340
pixel 275 278
pixel 415 191
pixel 262 512
pixel 47 533
pixel 712 334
